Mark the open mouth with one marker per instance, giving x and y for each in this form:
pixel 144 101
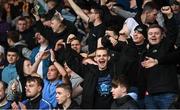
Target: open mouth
pixel 102 62
pixel 153 39
pixel 135 38
pixel 38 38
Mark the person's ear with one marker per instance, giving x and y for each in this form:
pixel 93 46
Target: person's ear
pixel 124 89
pixel 95 58
pixel 6 91
pixel 39 88
pixel 67 94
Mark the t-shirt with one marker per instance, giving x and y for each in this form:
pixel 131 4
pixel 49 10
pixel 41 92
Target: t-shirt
pixel 95 33
pixel 103 96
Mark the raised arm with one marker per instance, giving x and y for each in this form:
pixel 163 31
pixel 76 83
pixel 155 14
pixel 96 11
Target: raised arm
pixel 171 26
pixel 59 67
pixel 78 11
pixel 42 55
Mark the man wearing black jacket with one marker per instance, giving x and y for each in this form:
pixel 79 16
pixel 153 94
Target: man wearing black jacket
pixel 26 34
pixel 95 22
pixel 161 79
pixel 97 79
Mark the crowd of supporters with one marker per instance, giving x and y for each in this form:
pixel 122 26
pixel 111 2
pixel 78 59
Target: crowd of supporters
pixel 89 54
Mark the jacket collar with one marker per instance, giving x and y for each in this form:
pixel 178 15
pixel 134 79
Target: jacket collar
pixel 123 100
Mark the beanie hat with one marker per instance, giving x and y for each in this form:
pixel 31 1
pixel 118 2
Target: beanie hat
pixel 142 30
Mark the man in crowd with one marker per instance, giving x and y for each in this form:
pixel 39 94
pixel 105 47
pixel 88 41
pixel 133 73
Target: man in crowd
pixel 97 79
pixel 9 72
pixel 64 97
pixel 94 19
pixel 26 34
pixel 122 100
pixel 34 87
pixel 4 103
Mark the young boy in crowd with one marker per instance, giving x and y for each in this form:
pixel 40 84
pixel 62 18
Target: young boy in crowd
pixel 120 95
pixel 63 97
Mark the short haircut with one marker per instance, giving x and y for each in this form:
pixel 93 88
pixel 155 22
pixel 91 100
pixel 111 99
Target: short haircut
pixel 120 80
pixel 29 18
pixel 155 26
pixel 66 86
pixel 74 38
pixel 102 48
pixel 35 79
pixel 13 35
pixel 113 28
pixel 51 1
pixel 57 18
pixel 4 84
pixel 22 19
pixel 98 10
pixel 13 49
pixel 149 6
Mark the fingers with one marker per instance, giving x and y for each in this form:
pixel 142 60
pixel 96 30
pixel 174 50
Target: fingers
pixel 167 11
pixel 13 87
pixel 89 61
pixel 59 44
pixel 59 14
pixel 14 106
pixel 149 62
pixel 43 54
pixel 52 55
pixel 149 58
pixel 51 51
pixel 22 106
pixel 70 37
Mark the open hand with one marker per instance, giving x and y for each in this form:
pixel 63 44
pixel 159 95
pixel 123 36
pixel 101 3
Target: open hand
pixel 149 62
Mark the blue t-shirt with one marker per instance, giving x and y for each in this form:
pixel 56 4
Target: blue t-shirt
pixel 49 91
